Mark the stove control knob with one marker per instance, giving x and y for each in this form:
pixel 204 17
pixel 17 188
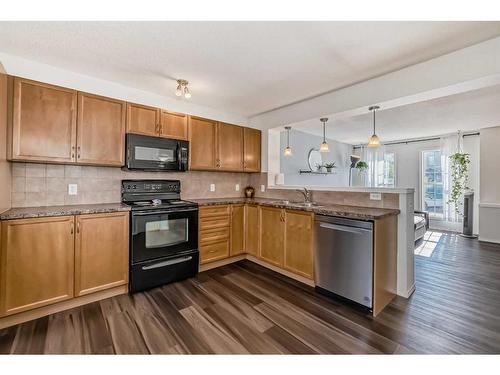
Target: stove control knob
pixel 135 186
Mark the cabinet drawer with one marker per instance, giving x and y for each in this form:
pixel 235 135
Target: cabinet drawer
pixel 214 211
pixel 214 235
pixel 214 222
pixel 214 251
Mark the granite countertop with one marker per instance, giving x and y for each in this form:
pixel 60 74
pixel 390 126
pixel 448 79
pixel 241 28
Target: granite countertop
pixel 45 211
pixel 352 212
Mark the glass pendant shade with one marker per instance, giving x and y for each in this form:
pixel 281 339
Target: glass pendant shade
pixel 288 151
pixel 178 92
pixel 374 141
pixel 323 147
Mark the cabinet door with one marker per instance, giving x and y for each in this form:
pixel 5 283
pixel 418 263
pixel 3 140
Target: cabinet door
pixel 237 229
pixel 272 235
pixel 43 122
pixel 203 144
pixel 142 119
pixel 252 230
pixel 101 252
pixel 252 141
pixel 101 130
pixel 230 142
pixel 174 125
pixel 299 242
pixel 36 263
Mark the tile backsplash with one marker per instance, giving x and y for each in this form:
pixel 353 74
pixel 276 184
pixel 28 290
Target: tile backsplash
pixel 47 185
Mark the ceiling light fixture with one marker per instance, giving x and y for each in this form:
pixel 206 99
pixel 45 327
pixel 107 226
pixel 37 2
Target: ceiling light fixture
pixel 288 149
pixel 324 146
pixel 374 139
pixel 182 88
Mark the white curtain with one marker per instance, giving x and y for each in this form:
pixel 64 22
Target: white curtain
pixel 449 145
pixel 374 157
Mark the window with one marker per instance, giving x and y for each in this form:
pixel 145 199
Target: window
pixel 432 183
pixel 386 171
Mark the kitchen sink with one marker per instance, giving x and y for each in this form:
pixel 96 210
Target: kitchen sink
pixel 297 204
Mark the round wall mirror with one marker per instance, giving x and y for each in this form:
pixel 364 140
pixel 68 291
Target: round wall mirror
pixel 314 159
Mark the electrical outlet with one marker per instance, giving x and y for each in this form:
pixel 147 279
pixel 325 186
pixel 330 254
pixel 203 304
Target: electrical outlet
pixel 375 196
pixel 212 187
pixel 237 187
pixel 262 188
pixel 72 189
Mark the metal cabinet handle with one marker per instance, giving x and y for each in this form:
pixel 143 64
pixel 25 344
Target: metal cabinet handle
pixel 78 152
pixel 77 227
pixel 72 226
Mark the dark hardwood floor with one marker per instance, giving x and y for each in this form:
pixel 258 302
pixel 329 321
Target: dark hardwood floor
pixel 245 308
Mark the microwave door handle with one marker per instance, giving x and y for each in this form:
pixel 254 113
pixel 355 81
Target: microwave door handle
pixel 179 156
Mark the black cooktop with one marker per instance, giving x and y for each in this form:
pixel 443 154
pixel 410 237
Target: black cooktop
pixel 162 204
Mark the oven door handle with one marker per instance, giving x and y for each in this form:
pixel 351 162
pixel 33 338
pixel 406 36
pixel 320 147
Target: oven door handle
pixel 167 263
pixel 152 212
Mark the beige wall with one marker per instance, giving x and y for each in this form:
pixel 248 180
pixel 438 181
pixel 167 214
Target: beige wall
pixel 5 172
pixel 489 165
pixel 46 185
pixel 489 185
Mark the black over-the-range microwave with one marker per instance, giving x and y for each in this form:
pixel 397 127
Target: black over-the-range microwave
pixel 147 153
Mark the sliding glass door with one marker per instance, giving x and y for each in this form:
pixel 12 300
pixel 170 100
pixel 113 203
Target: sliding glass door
pixel 432 183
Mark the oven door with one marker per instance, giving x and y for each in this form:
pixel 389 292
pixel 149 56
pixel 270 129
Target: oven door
pixel 155 153
pixel 157 234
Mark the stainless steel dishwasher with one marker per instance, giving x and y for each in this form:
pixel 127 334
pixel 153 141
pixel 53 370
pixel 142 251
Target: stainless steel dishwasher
pixel 344 258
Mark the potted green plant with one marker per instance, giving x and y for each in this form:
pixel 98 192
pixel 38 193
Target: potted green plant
pixel 362 166
pixel 329 166
pixel 459 179
pixel 319 167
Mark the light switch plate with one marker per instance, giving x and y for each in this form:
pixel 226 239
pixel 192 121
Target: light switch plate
pixel 237 187
pixel 376 196
pixel 72 189
pixel 212 187
pixel 262 188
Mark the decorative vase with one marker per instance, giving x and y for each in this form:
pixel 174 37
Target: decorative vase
pixel 249 192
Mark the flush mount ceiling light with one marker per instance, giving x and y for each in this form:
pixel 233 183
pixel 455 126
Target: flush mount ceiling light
pixel 288 149
pixel 374 140
pixel 182 88
pixel 323 147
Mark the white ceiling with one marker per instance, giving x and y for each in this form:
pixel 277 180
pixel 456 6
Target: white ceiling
pixel 468 111
pixel 239 67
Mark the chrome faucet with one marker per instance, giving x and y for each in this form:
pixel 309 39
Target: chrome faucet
pixel 307 195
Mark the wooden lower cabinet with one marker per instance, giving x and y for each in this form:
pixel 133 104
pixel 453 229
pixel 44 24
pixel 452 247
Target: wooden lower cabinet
pixel 272 242
pixel 299 243
pixel 252 229
pixel 101 252
pixel 214 233
pixel 212 251
pixel 237 229
pixel 36 263
pixel 44 261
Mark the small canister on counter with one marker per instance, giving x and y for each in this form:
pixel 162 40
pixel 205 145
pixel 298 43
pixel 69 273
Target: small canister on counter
pixel 249 192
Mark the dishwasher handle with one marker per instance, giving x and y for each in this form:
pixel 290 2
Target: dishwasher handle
pixel 345 228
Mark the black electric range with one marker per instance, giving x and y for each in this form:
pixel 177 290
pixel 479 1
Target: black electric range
pixel 163 233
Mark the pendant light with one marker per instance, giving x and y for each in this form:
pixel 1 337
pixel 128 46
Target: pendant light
pixel 374 140
pixel 288 149
pixel 324 146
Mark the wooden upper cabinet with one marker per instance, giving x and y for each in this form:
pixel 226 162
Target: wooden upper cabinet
pixel 272 235
pixel 230 147
pixel 143 120
pixel 174 125
pixel 43 126
pixel 36 263
pixel 251 150
pixel 101 252
pixel 237 229
pixel 203 144
pixel 299 243
pixel 252 229
pixel 101 130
